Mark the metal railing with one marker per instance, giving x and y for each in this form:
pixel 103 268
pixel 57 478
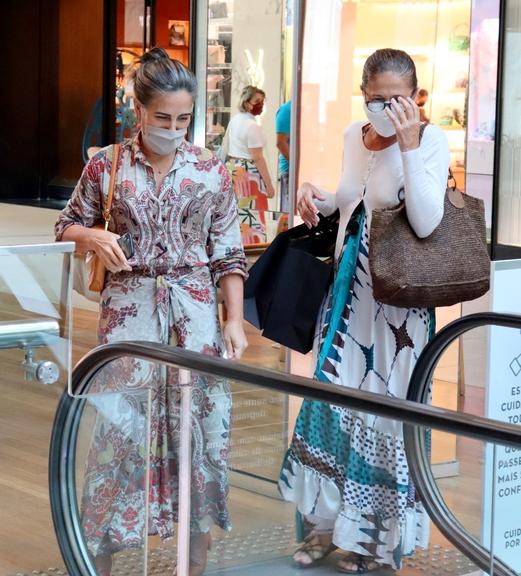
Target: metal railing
pixel 412 412
pixel 418 453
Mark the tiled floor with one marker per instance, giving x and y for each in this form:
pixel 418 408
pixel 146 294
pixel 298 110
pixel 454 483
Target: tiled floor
pixel 436 561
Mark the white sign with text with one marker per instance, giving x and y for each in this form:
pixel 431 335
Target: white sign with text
pixel 501 526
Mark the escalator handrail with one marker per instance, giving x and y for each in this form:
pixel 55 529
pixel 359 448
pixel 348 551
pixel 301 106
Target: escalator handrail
pixel 418 452
pixel 413 414
pixel 485 429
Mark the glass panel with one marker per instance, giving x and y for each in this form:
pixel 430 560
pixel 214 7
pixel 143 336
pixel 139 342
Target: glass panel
pixel 460 464
pixel 34 367
pixel 509 215
pixel 253 528
pixel 481 107
pixel 108 430
pixel 219 71
pixel 111 477
pixel 34 311
pixel 201 425
pixel 480 482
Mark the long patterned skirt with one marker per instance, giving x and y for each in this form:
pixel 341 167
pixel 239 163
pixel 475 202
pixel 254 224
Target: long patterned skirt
pixel 180 309
pixel 250 190
pixel 346 470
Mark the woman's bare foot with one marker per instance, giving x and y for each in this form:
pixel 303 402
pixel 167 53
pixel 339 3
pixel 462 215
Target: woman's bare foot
pixel 200 543
pixel 314 549
pixel 103 565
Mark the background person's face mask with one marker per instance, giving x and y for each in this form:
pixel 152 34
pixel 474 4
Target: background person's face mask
pixel 257 108
pixel 380 122
pixel 163 141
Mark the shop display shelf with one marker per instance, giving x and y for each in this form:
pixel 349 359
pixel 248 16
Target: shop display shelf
pixel 217 67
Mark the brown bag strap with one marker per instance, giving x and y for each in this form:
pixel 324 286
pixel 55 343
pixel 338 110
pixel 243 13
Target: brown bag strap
pixel 112 182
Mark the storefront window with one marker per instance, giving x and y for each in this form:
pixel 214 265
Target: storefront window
pixel 482 102
pixel 247 44
pixel 219 72
pixel 343 35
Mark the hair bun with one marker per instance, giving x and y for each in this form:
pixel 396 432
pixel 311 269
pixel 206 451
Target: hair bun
pixel 154 55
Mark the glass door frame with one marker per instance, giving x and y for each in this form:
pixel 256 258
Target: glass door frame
pixel 499 251
pixel 110 15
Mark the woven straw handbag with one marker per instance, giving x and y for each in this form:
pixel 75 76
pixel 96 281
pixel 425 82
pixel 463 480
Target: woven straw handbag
pixel 449 266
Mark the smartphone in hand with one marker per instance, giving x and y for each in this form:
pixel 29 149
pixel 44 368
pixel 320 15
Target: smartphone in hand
pixel 126 243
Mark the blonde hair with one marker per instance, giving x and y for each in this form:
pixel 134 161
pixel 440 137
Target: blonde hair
pixel 248 92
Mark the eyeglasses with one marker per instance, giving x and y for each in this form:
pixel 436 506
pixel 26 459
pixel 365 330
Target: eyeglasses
pixel 380 105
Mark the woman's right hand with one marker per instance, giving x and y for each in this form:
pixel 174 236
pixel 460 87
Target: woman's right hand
pixel 270 190
pixel 305 206
pixel 105 245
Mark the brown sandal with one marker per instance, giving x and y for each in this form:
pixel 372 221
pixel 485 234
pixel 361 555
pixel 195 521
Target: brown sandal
pixel 313 550
pixel 361 564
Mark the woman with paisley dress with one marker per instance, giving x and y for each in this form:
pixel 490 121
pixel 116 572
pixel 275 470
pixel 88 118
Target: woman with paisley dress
pixel 176 200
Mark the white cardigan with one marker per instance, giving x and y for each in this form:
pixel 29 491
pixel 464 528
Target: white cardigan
pixel 421 173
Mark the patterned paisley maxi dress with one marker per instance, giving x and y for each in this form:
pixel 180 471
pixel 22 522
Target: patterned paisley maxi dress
pixel 346 470
pixel 187 238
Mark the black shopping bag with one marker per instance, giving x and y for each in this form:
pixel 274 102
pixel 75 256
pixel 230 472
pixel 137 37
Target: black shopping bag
pixel 287 284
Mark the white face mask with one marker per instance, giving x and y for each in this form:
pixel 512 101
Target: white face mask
pixel 163 141
pixel 380 122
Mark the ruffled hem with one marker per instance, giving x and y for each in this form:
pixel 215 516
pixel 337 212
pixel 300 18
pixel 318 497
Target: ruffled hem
pixel 355 530
pixel 313 493
pixel 387 540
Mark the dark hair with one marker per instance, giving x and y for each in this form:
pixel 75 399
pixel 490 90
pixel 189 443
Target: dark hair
pixel 389 60
pixel 158 74
pixel 423 92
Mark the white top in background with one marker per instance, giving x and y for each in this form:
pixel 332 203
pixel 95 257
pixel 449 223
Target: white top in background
pixel 243 133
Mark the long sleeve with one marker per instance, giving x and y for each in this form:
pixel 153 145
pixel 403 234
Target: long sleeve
pixel 330 203
pixel 224 243
pixel 84 206
pixel 327 206
pixel 425 181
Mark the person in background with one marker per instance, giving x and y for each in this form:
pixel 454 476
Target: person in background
pixel 243 146
pixel 282 128
pixel 176 201
pixel 421 100
pixel 347 470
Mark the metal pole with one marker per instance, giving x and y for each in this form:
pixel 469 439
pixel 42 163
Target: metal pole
pixel 185 473
pixel 299 13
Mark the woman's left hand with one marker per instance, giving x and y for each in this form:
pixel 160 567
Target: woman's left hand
pixel 234 339
pixel 405 116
